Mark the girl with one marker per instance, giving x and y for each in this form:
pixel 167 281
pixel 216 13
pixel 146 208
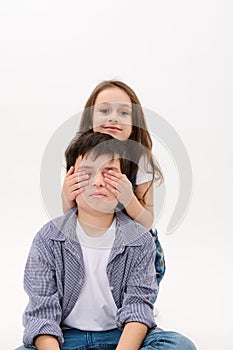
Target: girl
pixel 113 108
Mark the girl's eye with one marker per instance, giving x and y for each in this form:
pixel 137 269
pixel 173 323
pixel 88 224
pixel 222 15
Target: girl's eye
pixel 104 111
pixel 124 113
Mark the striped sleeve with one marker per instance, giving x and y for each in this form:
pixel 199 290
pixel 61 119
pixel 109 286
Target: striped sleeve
pixel 43 312
pixel 141 288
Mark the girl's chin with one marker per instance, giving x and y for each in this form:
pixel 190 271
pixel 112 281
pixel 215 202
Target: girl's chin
pixel 116 134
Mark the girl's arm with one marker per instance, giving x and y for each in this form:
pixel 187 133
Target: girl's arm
pixel 132 336
pixel 139 208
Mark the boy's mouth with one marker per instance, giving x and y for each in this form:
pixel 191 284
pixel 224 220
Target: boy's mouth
pixel 98 195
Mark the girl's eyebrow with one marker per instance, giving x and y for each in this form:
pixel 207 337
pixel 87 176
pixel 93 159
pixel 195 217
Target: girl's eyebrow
pixel 103 103
pixel 125 105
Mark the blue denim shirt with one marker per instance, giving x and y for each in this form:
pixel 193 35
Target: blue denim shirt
pixel 54 275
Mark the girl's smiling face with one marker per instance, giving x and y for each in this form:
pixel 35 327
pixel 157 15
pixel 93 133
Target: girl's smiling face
pixel 113 113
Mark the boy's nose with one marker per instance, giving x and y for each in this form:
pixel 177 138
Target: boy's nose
pixel 99 180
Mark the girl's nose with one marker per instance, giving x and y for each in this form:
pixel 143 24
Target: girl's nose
pixel 113 117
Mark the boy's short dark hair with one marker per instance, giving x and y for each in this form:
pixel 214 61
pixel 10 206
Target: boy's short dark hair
pixel 97 144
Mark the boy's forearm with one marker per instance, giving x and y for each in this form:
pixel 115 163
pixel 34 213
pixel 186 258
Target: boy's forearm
pixel 132 336
pixel 46 342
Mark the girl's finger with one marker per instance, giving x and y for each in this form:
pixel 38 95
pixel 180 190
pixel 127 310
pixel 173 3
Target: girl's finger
pixel 76 193
pixel 79 185
pixel 112 183
pixel 70 171
pixel 71 174
pixel 75 178
pixel 119 176
pixel 112 190
pixel 83 177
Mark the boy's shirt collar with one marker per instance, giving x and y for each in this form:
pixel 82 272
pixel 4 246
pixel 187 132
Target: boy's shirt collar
pixel 128 232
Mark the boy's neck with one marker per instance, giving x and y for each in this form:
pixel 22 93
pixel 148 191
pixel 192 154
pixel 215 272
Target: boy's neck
pixel 95 225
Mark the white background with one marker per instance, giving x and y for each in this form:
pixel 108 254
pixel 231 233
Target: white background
pixel 177 56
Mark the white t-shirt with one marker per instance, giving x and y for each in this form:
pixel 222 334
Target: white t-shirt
pixel 95 310
pixel 145 171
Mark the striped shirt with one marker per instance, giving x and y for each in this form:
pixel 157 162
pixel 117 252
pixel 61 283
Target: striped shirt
pixel 55 274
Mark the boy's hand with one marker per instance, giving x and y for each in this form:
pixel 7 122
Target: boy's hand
pixel 74 184
pixel 120 186
pixel 46 342
pixel 132 336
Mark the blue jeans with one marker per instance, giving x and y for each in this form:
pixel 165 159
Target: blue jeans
pixel 159 259
pixel 108 340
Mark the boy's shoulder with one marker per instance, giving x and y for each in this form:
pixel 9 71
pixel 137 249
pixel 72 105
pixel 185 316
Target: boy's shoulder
pixel 59 228
pixel 133 233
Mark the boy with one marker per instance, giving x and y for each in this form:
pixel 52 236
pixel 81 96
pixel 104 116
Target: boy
pixel 90 274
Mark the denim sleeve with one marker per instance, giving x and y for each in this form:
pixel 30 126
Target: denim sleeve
pixel 141 288
pixel 43 312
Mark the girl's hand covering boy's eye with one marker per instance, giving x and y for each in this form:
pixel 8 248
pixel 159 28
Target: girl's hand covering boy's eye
pixel 74 184
pixel 120 186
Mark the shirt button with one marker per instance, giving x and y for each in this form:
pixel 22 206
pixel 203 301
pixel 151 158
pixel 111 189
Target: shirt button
pixel 111 287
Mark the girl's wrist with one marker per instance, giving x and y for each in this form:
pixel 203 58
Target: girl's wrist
pixel 131 202
pixel 67 205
